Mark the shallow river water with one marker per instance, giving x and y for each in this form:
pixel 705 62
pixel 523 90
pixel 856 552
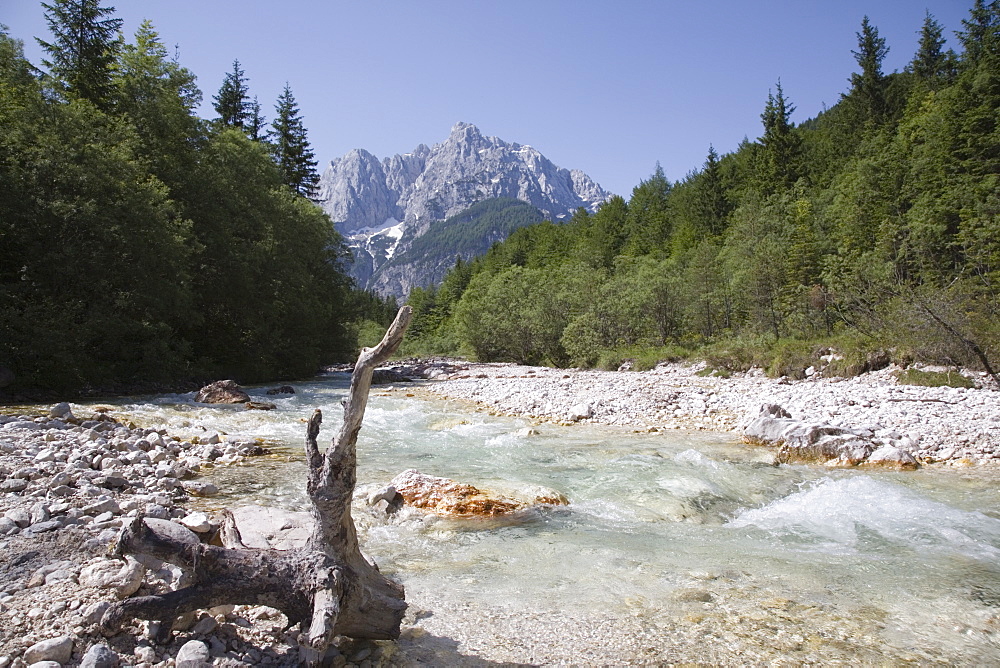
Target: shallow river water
pixel 675 546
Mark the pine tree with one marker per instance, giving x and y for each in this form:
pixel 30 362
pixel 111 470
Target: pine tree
pixel 159 97
pixel 648 224
pixel 869 86
pixel 932 65
pixel 255 126
pixel 232 103
pixel 713 205
pixel 291 147
pixel 981 37
pixel 84 47
pixel 781 145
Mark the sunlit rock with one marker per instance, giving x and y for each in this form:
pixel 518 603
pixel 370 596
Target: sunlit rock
pixel 58 649
pixel 222 392
pixel 197 522
pixel 273 528
pixel 891 457
pixel 802 441
pixel 61 410
pixel 124 579
pixel 447 497
pixel 580 412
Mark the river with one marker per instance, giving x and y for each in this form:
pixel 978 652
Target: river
pixel 675 546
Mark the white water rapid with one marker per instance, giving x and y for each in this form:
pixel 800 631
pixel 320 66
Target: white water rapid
pixel 675 547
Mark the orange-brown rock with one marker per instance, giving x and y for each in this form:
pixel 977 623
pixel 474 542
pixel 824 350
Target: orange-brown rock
pixel 448 497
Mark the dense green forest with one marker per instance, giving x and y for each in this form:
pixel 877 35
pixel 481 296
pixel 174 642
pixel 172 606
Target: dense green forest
pixel 872 229
pixel 143 245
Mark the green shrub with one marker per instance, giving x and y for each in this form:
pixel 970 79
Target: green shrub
pixel 791 358
pixel 643 358
pixel 735 355
pixel 950 378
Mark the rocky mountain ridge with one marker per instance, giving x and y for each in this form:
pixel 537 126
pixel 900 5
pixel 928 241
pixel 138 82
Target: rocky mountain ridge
pixel 381 206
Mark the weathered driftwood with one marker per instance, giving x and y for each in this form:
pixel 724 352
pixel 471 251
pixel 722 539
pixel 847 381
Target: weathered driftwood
pixel 328 587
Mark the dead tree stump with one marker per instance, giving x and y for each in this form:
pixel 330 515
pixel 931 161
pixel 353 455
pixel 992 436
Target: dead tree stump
pixel 328 586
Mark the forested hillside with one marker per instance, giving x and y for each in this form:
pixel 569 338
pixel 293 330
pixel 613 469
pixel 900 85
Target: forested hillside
pixel 872 227
pixel 141 244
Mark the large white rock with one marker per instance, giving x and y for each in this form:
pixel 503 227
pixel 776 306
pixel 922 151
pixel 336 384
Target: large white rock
pixel 273 528
pixel 197 522
pixel 193 654
pixel 124 579
pixel 803 441
pixel 891 457
pixel 58 649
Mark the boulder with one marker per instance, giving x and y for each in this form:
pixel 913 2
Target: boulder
pixel 888 456
pixel 19 516
pixel 100 656
pixel 805 442
pixel 580 412
pixel 260 406
pixel 123 578
pixel 222 392
pixel 273 528
pixel 284 389
pixel 197 522
pixel 447 497
pixel 193 654
pixel 61 410
pixel 58 649
pixel 388 376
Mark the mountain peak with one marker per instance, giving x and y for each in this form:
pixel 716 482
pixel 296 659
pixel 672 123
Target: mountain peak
pixel 464 128
pixel 361 193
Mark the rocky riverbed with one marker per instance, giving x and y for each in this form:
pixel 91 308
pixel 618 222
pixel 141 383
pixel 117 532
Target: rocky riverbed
pixel 68 481
pixel 950 425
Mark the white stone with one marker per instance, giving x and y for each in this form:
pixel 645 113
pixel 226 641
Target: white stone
pixel 193 654
pixel 197 522
pixel 58 649
pixel 124 579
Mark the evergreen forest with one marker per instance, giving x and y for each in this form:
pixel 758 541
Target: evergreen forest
pixel 144 246
pixel 868 234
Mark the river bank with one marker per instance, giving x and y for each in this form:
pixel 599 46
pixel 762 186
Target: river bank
pixel 949 425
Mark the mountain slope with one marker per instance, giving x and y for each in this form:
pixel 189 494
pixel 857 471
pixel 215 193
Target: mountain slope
pixel 468 234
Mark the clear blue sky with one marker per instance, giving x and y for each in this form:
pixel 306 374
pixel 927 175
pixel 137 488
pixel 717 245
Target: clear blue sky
pixel 607 87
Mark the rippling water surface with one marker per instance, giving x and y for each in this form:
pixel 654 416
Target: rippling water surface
pixel 691 542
